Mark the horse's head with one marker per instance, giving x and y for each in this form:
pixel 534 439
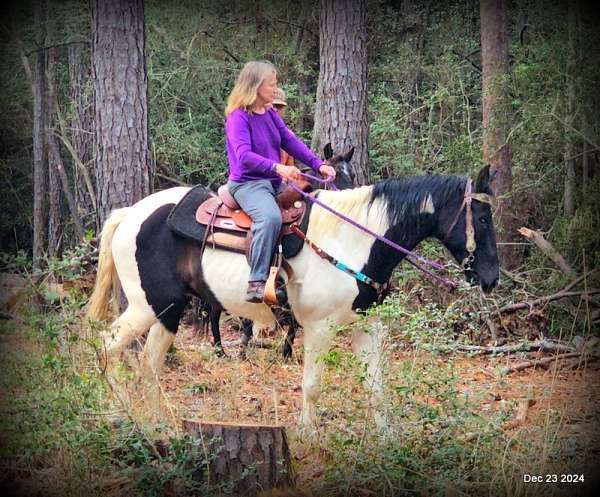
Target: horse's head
pixel 344 174
pixel 469 233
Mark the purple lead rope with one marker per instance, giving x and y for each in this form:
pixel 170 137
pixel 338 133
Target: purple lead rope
pixel 410 255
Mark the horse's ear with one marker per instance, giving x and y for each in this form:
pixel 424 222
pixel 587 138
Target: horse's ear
pixel 484 179
pixel 348 156
pixel 328 151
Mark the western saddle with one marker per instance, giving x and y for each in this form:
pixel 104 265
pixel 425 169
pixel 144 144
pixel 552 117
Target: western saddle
pixel 228 226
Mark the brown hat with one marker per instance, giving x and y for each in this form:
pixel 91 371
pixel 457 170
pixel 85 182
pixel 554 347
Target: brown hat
pixel 279 97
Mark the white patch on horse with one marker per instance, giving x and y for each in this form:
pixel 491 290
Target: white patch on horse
pixel 427 205
pixel 139 315
pixel 226 274
pixel 336 290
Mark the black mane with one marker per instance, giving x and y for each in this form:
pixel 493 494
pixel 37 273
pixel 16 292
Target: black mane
pixel 404 197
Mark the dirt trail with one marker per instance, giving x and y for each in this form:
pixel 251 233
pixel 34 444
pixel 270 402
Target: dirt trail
pixel 265 389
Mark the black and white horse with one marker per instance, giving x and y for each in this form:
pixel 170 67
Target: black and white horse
pixel 158 269
pixel 283 315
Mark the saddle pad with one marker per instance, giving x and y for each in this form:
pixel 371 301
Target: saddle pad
pixel 182 220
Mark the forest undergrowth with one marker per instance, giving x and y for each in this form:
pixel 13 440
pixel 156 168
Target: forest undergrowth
pixel 456 423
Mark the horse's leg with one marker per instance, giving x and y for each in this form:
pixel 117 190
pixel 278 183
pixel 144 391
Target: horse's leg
pixel 247 326
pixel 290 337
pixel 368 347
pixel 153 360
pixel 317 341
pixel 132 324
pixel 215 316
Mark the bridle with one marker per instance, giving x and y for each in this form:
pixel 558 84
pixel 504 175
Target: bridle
pixel 469 196
pixel 412 257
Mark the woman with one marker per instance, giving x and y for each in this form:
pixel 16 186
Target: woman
pixel 255 133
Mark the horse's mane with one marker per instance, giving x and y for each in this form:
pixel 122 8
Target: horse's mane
pixel 353 203
pixel 405 199
pixel 402 202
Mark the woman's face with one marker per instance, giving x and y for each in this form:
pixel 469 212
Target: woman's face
pixel 266 91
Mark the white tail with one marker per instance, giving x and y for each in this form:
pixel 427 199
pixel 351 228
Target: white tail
pixel 106 276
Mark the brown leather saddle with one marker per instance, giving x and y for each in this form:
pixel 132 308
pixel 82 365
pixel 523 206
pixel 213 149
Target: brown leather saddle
pixel 228 226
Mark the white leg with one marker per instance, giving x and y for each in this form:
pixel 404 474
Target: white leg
pixel 153 360
pixel 368 347
pixel 317 341
pixel 132 324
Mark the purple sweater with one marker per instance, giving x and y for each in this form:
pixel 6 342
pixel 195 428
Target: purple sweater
pixel 254 142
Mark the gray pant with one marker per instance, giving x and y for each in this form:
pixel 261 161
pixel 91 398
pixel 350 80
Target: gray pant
pixel 257 198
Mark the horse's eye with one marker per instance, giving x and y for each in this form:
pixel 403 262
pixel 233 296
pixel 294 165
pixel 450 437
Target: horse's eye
pixel 483 220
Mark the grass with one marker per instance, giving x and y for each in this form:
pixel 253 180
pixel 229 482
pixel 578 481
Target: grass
pixel 448 419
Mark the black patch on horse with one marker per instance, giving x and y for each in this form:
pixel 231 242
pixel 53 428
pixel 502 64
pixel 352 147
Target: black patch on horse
pixel 408 225
pixel 167 288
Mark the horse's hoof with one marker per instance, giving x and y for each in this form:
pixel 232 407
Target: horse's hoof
pixel 287 351
pixel 220 352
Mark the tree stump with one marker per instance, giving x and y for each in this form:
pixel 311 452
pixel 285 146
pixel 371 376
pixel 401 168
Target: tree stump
pixel 244 458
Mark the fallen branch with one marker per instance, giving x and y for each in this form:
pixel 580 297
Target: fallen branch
pixel 520 347
pixel 546 247
pixel 544 300
pixel 254 342
pixel 538 362
pixel 565 292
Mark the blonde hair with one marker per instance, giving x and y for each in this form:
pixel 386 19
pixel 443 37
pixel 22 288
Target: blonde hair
pixel 250 78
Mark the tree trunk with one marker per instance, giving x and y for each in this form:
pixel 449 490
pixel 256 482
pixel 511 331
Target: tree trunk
pixel 569 201
pixel 54 205
pixel 40 172
pixel 250 458
pixel 121 104
pixel 341 108
pixel 496 152
pixel 82 134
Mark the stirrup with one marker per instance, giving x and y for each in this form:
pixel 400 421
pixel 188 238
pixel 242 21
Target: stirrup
pixel 271 291
pixel 270 297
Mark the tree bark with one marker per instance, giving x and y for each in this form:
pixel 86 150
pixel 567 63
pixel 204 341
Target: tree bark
pixel 55 230
pixel 569 201
pixel 40 172
pixel 121 104
pixel 250 458
pixel 496 151
pixel 82 130
pixel 341 108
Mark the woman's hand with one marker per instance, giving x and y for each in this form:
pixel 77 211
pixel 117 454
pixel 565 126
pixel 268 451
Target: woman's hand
pixel 327 171
pixel 288 172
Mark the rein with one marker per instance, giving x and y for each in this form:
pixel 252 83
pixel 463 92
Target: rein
pixel 451 285
pixel 327 182
pixel 380 288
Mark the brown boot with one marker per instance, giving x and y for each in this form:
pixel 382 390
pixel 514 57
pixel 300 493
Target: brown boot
pixel 255 292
